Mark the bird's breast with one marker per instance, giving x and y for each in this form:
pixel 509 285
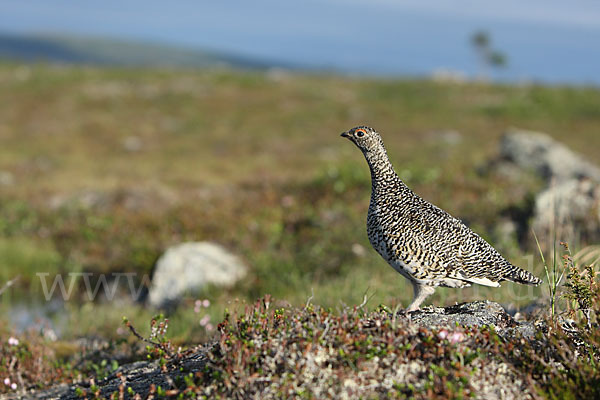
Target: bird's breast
pixel 375 231
pixel 382 236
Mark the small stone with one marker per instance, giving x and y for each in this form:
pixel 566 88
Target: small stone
pixel 448 137
pixel 6 178
pixel 132 144
pixel 358 250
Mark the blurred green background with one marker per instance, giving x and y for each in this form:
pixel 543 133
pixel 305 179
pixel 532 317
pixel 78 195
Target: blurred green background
pixel 104 168
pixel 126 128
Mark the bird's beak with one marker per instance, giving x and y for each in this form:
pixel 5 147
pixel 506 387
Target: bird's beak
pixel 345 134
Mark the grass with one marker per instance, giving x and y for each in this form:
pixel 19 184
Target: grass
pixel 255 163
pixel 554 274
pixel 84 115
pixel 26 257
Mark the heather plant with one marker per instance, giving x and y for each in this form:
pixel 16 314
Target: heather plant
pixel 159 347
pixel 581 287
pixel 27 361
pixel 314 352
pixel 32 361
pixel 564 362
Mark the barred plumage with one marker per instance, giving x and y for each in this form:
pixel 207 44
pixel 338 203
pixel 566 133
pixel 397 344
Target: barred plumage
pixel 421 241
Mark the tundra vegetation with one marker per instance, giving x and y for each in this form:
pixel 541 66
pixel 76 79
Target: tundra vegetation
pixel 101 169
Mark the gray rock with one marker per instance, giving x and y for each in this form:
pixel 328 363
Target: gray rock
pixel 6 178
pixel 570 203
pixel 572 208
pixel 476 313
pixel 446 137
pixel 550 159
pixel 86 199
pixel 189 267
pixel 132 144
pixel 138 198
pixel 138 376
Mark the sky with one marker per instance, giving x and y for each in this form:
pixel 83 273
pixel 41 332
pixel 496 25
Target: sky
pixel 545 40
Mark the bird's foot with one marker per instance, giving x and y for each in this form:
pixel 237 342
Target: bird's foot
pixel 427 309
pixel 405 313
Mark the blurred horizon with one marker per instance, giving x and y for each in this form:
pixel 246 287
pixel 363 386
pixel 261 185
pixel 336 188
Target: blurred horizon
pixel 549 42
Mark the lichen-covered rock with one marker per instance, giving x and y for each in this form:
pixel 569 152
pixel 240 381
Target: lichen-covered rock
pixel 547 157
pixel 133 379
pixel 570 202
pixel 189 267
pixel 571 208
pixel 476 313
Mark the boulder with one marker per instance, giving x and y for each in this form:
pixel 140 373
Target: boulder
pixel 570 202
pixel 476 313
pixel 189 267
pixel 139 376
pixel 572 208
pixel 547 157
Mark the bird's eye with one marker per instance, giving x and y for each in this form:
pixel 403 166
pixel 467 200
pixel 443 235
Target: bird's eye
pixel 360 133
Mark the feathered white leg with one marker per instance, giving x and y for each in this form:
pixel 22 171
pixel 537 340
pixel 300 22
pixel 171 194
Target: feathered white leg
pixel 421 293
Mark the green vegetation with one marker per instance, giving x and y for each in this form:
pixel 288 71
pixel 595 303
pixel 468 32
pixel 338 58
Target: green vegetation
pixel 308 351
pixel 102 169
pixel 488 57
pixel 274 352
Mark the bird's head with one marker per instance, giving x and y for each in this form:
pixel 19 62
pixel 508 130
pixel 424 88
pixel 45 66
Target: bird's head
pixel 365 138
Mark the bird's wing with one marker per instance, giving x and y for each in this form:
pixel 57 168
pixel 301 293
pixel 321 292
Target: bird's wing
pixel 464 254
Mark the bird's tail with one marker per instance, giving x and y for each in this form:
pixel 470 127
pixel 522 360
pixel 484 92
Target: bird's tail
pixel 521 276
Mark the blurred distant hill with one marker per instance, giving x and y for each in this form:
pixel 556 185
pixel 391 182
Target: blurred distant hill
pixel 102 51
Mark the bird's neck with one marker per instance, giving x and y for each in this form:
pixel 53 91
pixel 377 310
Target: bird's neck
pixel 383 175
